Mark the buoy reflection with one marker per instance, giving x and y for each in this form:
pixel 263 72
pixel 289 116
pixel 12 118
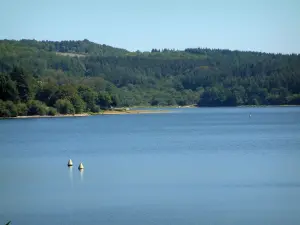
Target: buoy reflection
pixel 81 171
pixel 71 175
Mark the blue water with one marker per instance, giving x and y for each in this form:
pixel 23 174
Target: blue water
pixel 190 166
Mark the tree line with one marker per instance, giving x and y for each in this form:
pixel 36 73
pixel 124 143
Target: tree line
pixel 44 77
pixel 22 95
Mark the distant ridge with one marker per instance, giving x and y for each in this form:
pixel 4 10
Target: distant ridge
pixel 160 77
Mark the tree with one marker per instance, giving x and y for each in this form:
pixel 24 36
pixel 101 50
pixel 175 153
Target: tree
pixel 22 109
pixel 78 103
pixel 66 92
pixel 212 97
pixel 88 95
pixel 104 100
pixel 36 108
pixel 8 109
pixel 91 74
pixel 64 106
pixel 95 109
pixel 3 111
pixel 115 100
pixel 52 111
pixel 24 83
pixel 11 107
pixel 8 88
pixel 294 99
pixel 48 93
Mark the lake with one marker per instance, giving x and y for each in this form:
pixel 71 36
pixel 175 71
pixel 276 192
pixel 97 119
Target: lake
pixel 187 167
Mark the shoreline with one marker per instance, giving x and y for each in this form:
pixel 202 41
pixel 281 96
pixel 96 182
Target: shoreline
pixel 133 111
pixel 48 116
pixel 106 112
pixel 164 107
pixel 117 112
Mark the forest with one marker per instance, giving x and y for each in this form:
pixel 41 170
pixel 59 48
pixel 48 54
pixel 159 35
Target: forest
pixel 71 77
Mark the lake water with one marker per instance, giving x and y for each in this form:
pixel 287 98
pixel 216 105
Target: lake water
pixel 188 167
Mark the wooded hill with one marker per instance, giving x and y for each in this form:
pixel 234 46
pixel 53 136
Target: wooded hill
pixel 40 77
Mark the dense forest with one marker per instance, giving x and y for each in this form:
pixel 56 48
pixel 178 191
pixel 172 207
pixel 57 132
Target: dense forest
pixel 67 77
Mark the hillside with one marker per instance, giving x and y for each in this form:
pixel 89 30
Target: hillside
pixel 79 76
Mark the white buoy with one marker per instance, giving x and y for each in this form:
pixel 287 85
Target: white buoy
pixel 80 167
pixel 70 163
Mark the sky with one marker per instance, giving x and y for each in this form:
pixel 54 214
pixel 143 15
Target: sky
pixel 254 25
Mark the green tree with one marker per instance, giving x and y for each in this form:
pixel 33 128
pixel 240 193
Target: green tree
pixel 294 99
pixel 64 106
pixel 78 103
pixel 88 95
pixel 48 93
pixel 8 88
pixel 22 109
pixel 24 83
pixel 51 111
pixel 4 112
pixel 104 100
pixel 36 108
pixel 115 100
pixel 11 107
pixel 66 92
pixel 95 109
pixel 48 71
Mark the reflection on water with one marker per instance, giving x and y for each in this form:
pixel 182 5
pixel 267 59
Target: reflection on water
pixel 81 171
pixel 71 175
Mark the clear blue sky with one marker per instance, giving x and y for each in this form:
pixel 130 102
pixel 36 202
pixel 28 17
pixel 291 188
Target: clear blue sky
pixel 259 25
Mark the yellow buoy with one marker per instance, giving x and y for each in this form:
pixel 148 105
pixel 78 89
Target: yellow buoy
pixel 80 167
pixel 70 163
